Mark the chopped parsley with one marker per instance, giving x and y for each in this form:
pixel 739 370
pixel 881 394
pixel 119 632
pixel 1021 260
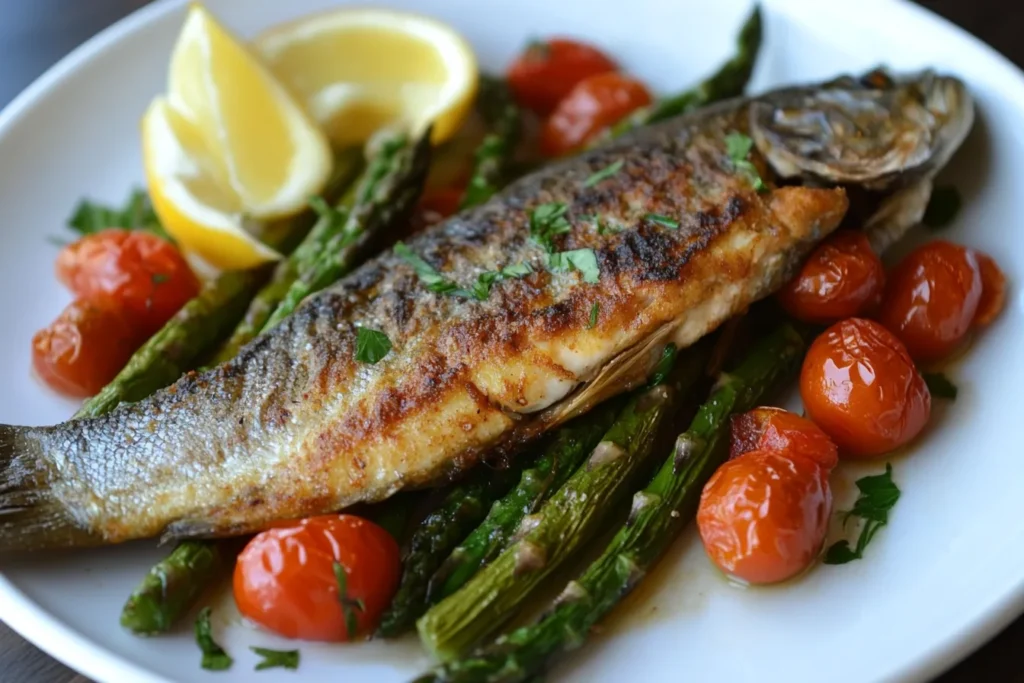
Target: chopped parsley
pixel 583 260
pixel 276 659
pixel 137 213
pixel 214 656
pixel 940 386
pixel 663 221
pixel 664 366
pixel 943 207
pixel 371 345
pixel 348 606
pixel 546 221
pixel 878 495
pixel 606 172
pixel 436 282
pixel 594 311
pixel 738 146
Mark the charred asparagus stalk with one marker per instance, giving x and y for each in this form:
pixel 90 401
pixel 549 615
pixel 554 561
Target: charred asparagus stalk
pixel 659 513
pixel 570 518
pixel 494 155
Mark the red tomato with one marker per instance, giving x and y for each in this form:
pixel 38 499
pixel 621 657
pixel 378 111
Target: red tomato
pixel 285 581
pixel 435 206
pixel 593 105
pixel 932 299
pixel 842 278
pixel 547 70
pixel 84 348
pixel 145 274
pixel 763 516
pixel 775 429
pixel 993 290
pixel 859 384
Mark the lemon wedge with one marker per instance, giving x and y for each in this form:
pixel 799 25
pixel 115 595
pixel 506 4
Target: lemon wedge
pixel 359 70
pixel 228 148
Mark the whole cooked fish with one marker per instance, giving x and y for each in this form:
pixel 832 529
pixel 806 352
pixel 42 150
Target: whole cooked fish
pixel 504 320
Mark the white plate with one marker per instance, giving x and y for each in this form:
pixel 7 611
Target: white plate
pixel 947 572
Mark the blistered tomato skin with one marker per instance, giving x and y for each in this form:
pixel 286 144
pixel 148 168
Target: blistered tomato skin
pixel 284 579
pixel 593 105
pixel 993 290
pixel 859 384
pixel 932 298
pixel 547 70
pixel 842 278
pixel 775 429
pixel 763 516
pixel 84 348
pixel 145 274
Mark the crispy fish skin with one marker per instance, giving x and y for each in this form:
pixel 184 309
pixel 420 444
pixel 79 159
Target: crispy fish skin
pixel 296 426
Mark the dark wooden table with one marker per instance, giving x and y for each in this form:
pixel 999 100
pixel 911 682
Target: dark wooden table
pixel 36 33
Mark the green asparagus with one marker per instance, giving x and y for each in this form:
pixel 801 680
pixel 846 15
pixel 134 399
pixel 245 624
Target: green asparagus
pixel 728 81
pixel 384 197
pixel 658 514
pixel 570 518
pixel 347 166
pixel 560 457
pixel 494 155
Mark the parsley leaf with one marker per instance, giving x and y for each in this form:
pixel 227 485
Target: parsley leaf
pixel 594 310
pixel 436 282
pixel 604 227
pixel 738 146
pixel 371 345
pixel 274 659
pixel 878 495
pixel 663 221
pixel 583 260
pixel 940 386
pixel 137 214
pixel 943 207
pixel 348 605
pixel 664 366
pixel 214 656
pixel 546 221
pixel 606 172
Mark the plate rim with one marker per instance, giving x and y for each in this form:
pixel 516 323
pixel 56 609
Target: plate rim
pixel 77 651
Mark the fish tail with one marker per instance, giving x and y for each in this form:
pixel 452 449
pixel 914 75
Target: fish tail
pixel 30 516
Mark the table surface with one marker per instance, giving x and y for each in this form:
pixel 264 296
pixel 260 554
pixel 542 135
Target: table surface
pixel 36 33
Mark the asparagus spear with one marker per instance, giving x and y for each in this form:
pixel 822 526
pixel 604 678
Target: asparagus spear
pixel 659 513
pixel 384 196
pixel 728 81
pixel 494 155
pixel 559 459
pixel 347 166
pixel 570 518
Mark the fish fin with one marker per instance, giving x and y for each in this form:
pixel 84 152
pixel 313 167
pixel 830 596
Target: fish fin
pixel 30 517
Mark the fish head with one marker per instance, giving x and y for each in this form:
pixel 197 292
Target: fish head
pixel 877 131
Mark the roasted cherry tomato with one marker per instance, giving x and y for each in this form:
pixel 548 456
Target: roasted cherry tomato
pixel 547 70
pixel 84 348
pixel 763 516
pixel 775 429
pixel 993 290
pixel 932 298
pixel 285 577
pixel 593 105
pixel 842 278
pixel 861 387
pixel 145 274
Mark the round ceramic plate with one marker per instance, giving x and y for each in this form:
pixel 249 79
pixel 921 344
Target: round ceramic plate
pixel 945 574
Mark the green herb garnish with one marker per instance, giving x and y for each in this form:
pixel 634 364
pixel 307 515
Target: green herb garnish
pixel 939 385
pixel 546 221
pixel 594 310
pixel 371 345
pixel 137 214
pixel 664 366
pixel 348 606
pixel 878 495
pixel 738 146
pixel 214 656
pixel 943 207
pixel 276 659
pixel 436 282
pixel 606 172
pixel 663 221
pixel 583 260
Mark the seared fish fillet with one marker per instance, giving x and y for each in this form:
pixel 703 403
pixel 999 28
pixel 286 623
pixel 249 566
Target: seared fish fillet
pixel 681 240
